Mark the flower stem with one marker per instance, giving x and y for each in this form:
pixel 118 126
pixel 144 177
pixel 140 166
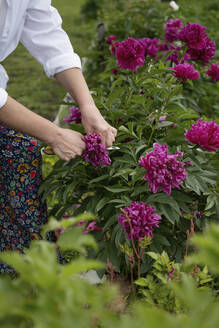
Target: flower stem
pixel 139 263
pixel 131 274
pixel 132 240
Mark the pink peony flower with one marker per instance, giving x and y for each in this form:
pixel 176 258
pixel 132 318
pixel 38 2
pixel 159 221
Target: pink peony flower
pixel 194 35
pixel 96 152
pixel 184 72
pixel 91 227
pixel 87 228
pixel 162 47
pixel 139 220
pixel 171 272
pixel 172 30
pixel 130 54
pixel 205 134
pixel 74 116
pixel 150 46
pixel 204 54
pixel 163 170
pixel 110 39
pixel 114 46
pixel 213 72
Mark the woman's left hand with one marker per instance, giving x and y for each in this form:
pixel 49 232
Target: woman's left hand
pixel 93 121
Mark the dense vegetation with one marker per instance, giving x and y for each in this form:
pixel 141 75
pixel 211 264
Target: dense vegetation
pixel 152 230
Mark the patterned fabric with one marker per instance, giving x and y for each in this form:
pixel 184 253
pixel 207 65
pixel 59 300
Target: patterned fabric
pixel 21 210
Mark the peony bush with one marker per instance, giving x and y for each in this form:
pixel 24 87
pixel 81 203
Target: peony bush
pixel 156 83
pixel 151 197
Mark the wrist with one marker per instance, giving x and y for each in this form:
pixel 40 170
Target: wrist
pixel 89 109
pixel 53 134
pixel 88 106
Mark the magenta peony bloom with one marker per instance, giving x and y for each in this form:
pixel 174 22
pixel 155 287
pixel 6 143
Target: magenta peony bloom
pixel 213 72
pixel 96 152
pixel 110 39
pixel 130 54
pixel 139 220
pixel 74 116
pixel 87 228
pixel 204 54
pixel 151 47
pixel 193 35
pixel 162 47
pixel 91 227
pixel 172 30
pixel 163 170
pixel 184 72
pixel 114 46
pixel 205 134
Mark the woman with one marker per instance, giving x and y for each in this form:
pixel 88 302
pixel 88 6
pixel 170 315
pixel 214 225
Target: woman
pixel 37 25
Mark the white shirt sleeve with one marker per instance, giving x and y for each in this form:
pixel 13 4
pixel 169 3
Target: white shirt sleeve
pixel 45 39
pixel 3 97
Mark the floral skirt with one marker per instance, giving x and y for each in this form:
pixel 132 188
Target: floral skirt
pixel 21 210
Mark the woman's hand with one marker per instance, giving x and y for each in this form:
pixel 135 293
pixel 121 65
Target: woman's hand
pixel 68 144
pixel 73 81
pixel 93 121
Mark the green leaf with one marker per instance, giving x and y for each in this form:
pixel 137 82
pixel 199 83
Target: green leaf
pixel 142 282
pixel 169 213
pixel 102 177
pixel 79 266
pixel 164 199
pixel 161 239
pixel 139 190
pixel 75 240
pixel 117 189
pixel 163 124
pixel 110 222
pixel 154 256
pixel 103 201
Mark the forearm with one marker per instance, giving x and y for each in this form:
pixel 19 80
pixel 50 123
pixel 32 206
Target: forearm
pixel 73 81
pixel 93 122
pixel 18 117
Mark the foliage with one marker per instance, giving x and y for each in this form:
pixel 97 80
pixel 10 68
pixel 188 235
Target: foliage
pixel 134 103
pixel 46 293
pixel 156 287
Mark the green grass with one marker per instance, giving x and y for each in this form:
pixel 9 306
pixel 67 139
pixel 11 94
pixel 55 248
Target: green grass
pixel 28 83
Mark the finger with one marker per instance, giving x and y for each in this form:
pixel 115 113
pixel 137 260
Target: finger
pixel 81 143
pixel 110 140
pixel 79 152
pixel 114 132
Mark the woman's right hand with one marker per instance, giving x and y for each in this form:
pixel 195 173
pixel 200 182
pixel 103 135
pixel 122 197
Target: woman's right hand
pixel 68 144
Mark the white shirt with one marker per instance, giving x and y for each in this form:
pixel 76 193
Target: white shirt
pixel 37 25
pixel 2 14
